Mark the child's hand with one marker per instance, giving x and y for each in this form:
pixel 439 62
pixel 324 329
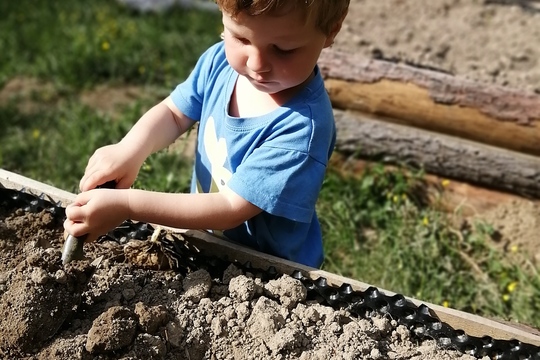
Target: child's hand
pixel 96 212
pixel 118 162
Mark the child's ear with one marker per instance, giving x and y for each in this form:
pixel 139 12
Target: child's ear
pixel 335 30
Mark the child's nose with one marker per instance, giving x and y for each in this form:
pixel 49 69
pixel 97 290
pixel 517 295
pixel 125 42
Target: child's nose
pixel 257 63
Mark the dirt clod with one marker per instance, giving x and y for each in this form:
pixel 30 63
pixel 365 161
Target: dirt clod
pixel 112 330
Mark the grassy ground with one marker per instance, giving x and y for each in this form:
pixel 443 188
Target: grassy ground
pixel 377 228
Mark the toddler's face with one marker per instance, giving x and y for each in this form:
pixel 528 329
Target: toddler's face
pixel 274 53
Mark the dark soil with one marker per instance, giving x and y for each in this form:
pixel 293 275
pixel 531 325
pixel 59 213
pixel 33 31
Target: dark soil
pixel 129 309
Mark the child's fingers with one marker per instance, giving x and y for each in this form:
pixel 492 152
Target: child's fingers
pixel 76 229
pixel 93 179
pixel 75 213
pixel 89 181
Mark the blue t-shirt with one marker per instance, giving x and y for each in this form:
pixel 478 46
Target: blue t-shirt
pixel 276 161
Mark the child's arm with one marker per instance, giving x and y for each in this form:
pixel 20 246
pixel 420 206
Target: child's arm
pixel 155 130
pixel 98 211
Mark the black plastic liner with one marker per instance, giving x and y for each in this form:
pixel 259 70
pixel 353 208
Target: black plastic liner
pixel 418 319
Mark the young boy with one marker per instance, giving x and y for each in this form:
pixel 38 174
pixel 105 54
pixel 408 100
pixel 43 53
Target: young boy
pixel 265 134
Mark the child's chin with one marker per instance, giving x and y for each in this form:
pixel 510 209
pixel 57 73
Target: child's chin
pixel 267 87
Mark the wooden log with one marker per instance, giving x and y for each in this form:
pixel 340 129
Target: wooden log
pixel 471 324
pixel 434 100
pixel 371 138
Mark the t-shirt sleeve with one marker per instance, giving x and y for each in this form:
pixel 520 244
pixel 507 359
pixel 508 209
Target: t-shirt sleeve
pixel 282 182
pixel 189 95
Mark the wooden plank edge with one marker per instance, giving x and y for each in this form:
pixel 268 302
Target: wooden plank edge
pixel 472 325
pixel 12 180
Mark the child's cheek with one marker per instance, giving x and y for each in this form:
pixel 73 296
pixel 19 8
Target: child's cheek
pixel 235 57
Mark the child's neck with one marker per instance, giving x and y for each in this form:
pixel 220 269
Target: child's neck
pixel 246 101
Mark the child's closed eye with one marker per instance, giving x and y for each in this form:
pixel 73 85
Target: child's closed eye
pixel 281 51
pixel 242 40
pixel 276 48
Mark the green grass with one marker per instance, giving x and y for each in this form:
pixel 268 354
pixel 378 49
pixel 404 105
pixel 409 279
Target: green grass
pixel 56 148
pixel 84 43
pixel 377 227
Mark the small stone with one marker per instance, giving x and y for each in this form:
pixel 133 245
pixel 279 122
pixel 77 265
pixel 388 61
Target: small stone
pixel 112 330
pixel 197 285
pixel 174 331
pixel 242 288
pixel 151 318
pixel 39 276
pixel 60 277
pixel 151 347
pixel 4 278
pixel 217 326
pixel 128 294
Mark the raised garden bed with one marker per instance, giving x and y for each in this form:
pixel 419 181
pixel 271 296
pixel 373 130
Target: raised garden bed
pixel 217 300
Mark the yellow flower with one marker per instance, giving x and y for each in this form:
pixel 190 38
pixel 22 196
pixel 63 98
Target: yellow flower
pixel 425 221
pixel 506 297
pixel 35 134
pixel 512 286
pixel 514 248
pixel 446 303
pixel 445 182
pixel 395 198
pixel 105 46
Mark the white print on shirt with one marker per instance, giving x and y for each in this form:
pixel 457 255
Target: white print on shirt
pixel 216 151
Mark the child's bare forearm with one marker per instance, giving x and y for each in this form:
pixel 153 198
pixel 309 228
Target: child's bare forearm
pixel 157 128
pixel 216 211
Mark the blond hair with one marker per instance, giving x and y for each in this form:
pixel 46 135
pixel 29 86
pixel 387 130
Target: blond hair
pixel 324 13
